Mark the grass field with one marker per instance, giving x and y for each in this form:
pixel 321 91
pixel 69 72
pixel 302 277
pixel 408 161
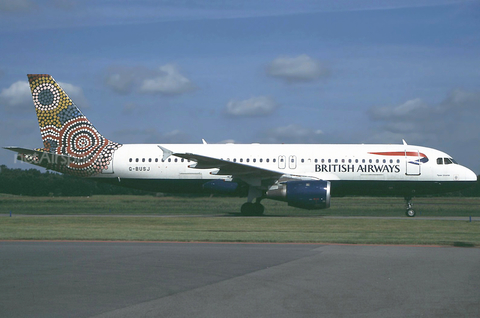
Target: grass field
pixel 80 218
pixel 150 205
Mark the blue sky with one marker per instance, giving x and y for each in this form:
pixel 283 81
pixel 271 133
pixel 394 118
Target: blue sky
pixel 250 71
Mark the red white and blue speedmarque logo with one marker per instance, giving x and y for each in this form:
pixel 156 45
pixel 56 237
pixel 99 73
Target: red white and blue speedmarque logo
pixel 412 154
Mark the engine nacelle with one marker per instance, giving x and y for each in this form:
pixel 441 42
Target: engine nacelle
pixel 310 195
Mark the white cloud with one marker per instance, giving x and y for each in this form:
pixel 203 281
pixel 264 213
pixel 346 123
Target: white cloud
pixel 253 107
pixel 411 108
pixel 292 133
pixel 449 122
pixel 75 93
pixel 165 80
pixel 415 110
pixel 169 81
pixel 18 96
pixel 121 82
pixel 460 99
pixel 302 68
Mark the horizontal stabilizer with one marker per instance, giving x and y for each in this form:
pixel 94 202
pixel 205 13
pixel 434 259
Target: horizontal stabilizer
pixel 41 158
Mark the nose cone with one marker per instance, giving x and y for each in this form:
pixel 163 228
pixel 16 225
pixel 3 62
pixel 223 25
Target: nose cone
pixel 470 175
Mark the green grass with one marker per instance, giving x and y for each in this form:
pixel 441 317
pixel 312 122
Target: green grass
pixel 133 218
pixel 148 205
pixel 234 229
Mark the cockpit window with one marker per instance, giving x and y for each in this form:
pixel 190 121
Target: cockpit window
pixel 448 161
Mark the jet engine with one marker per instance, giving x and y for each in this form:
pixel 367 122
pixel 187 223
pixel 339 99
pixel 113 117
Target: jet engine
pixel 304 194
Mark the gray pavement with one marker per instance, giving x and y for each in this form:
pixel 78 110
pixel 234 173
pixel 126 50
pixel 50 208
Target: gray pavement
pixel 113 279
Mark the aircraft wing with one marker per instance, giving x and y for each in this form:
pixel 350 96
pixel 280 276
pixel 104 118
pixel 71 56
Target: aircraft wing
pixel 238 170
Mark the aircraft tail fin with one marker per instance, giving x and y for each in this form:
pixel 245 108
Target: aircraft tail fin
pixel 66 131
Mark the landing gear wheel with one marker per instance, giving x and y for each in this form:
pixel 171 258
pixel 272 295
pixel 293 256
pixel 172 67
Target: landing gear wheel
pixel 410 213
pixel 246 208
pixel 250 209
pixel 258 209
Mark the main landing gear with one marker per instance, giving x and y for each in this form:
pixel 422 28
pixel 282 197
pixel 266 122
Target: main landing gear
pixel 410 211
pixel 250 208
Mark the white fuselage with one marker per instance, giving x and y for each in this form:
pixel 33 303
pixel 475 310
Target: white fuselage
pixel 335 162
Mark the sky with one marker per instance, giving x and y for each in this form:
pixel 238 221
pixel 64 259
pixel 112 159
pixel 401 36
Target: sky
pixel 332 71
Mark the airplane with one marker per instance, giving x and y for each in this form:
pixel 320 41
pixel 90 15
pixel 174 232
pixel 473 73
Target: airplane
pixel 305 176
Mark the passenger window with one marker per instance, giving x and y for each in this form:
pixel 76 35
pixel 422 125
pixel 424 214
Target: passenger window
pixel 384 161
pixel 241 159
pixel 261 160
pixel 156 159
pixel 336 160
pixel 130 160
pixel 254 160
pixel 248 160
pixel 363 160
pixel 370 160
pixel 274 160
pixel 149 159
pixel 169 159
pixel 356 160
pixel 303 160
pixel 391 160
pixel 136 160
pixel 143 159
pixel 267 160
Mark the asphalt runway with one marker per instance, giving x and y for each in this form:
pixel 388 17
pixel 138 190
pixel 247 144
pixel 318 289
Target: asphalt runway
pixel 119 279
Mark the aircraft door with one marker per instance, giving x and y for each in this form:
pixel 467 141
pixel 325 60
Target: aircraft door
pixel 412 160
pixel 292 162
pixel 281 162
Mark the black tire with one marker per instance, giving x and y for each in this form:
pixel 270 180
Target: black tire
pixel 258 209
pixel 410 213
pixel 250 209
pixel 247 208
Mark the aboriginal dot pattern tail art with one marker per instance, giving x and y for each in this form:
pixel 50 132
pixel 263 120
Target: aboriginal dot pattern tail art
pixel 66 131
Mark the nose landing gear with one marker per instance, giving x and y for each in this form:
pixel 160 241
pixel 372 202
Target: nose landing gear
pixel 410 211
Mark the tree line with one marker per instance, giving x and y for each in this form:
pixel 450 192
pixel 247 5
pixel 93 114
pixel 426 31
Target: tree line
pixel 33 182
